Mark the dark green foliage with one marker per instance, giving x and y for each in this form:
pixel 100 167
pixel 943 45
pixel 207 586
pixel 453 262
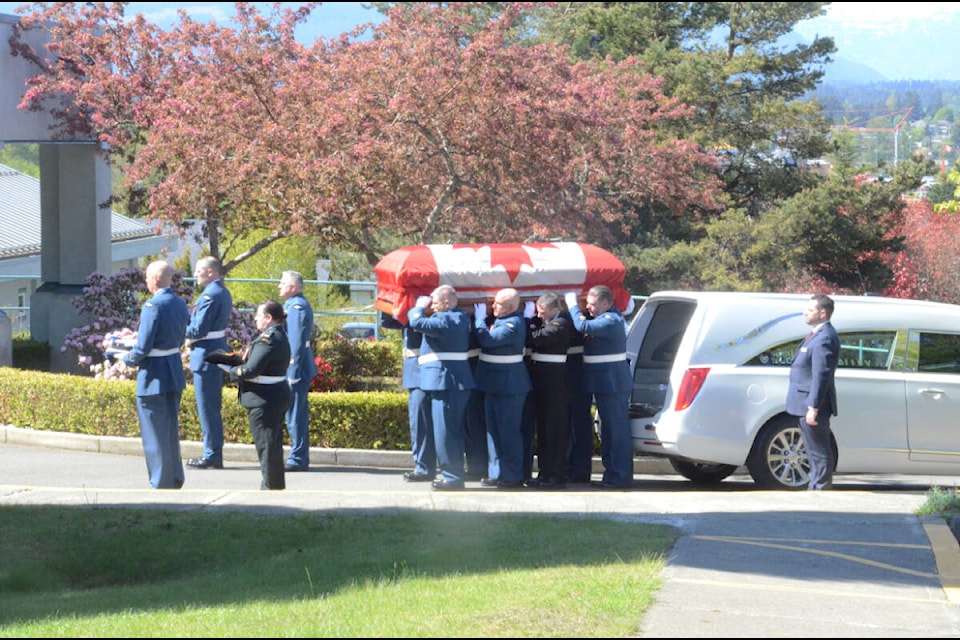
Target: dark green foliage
pixel 30 354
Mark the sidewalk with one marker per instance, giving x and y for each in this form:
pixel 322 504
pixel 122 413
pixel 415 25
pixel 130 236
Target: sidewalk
pixel 853 562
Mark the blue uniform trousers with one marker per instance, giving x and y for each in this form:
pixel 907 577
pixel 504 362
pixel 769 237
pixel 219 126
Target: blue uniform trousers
pixel 616 440
pixel 298 425
pixel 504 413
pixel 160 433
pixel 447 408
pixel 208 387
pixel 421 433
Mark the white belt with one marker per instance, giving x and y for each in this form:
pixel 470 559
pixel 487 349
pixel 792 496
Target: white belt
pixel 212 335
pixel 445 355
pixel 612 357
pixel 474 353
pixel 549 357
pixel 267 379
pixel 487 357
pixel 576 349
pixel 156 353
pixel 411 353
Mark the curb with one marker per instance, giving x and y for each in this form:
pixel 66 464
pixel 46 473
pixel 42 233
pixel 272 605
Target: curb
pixel 234 452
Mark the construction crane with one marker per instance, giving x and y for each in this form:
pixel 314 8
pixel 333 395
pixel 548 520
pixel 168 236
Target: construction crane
pixel 901 116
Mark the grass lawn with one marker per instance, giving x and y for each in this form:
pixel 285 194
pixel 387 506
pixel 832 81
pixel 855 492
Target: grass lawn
pixel 117 572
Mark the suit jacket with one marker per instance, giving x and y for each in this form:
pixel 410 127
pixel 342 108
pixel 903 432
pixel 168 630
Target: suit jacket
pixel 211 313
pixel 163 321
pixel 812 373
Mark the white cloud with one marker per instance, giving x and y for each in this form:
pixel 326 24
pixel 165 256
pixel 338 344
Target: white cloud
pixel 877 14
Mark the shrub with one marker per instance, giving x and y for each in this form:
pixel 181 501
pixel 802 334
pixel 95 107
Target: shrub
pixel 30 354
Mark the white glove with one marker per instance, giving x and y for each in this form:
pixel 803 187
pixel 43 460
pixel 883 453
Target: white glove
pixel 225 367
pixel 571 299
pixel 480 311
pixel 423 302
pixel 630 307
pixel 530 309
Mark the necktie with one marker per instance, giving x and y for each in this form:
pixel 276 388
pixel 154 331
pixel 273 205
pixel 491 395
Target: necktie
pixel 809 335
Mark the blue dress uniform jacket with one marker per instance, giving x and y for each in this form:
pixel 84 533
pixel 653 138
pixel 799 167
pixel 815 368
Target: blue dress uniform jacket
pixel 503 378
pixel 302 369
pixel 606 374
pixel 206 333
pixel 264 392
pixel 160 384
pixel 581 417
pixel 446 378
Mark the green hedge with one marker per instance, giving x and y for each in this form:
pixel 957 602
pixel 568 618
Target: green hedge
pixel 78 404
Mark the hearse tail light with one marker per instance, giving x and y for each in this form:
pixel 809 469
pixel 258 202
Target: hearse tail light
pixel 693 379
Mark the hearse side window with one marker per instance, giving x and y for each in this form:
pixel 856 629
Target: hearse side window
pixel 939 353
pixel 858 350
pixel 664 333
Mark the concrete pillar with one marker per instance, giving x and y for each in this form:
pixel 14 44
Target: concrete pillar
pixel 6 340
pixel 75 235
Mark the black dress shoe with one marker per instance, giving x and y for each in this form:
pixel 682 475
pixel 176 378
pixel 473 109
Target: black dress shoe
pixel 550 484
pixel 510 485
pixel 448 485
pixel 203 463
pixel 413 476
pixel 579 480
pixel 489 482
pixel 472 477
pixel 293 467
pixel 531 482
pixel 609 485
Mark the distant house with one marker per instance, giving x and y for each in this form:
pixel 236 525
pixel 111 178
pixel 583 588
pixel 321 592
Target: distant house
pixel 20 243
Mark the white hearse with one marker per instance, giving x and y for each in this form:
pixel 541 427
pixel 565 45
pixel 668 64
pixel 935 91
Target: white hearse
pixel 710 373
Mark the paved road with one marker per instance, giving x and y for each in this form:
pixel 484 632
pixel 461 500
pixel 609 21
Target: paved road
pixel 854 562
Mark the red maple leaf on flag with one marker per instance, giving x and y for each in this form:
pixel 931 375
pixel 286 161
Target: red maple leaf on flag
pixel 511 256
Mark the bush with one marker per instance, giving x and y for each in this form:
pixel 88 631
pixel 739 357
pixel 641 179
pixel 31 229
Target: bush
pixel 357 365
pixel 30 354
pixel 80 404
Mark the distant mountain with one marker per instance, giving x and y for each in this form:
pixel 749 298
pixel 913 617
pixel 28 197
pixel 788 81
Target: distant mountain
pixel 915 49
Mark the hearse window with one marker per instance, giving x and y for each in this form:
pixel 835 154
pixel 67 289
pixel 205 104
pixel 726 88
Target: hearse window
pixel 939 353
pixel 858 350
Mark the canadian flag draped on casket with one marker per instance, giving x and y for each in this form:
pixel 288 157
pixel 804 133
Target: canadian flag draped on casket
pixel 478 271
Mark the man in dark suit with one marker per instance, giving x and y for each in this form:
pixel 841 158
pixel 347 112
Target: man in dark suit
pixel 812 394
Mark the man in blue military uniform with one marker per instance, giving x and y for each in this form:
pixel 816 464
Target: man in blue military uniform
pixel 445 377
pixel 160 380
pixel 421 427
pixel 606 374
pixel 207 333
pixel 302 369
pixel 503 378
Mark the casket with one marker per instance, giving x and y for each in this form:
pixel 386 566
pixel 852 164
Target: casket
pixel 478 271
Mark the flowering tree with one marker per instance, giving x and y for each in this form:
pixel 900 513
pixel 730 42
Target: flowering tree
pixel 435 129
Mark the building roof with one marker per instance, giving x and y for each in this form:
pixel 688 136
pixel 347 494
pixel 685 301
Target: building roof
pixel 20 217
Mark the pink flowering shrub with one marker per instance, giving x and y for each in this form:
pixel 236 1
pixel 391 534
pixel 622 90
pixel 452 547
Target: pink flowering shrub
pixel 323 381
pixel 114 303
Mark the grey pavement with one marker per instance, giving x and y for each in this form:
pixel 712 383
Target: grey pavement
pixel 853 562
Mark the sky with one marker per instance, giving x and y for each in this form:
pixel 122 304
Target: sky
pixel 333 18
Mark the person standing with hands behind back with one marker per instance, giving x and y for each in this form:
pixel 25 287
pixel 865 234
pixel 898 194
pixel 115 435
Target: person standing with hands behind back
pixel 812 394
pixel 160 380
pixel 264 392
pixel 207 332
pixel 302 369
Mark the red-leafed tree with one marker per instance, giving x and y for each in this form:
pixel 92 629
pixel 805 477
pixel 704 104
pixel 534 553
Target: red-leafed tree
pixel 433 130
pixel 930 262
